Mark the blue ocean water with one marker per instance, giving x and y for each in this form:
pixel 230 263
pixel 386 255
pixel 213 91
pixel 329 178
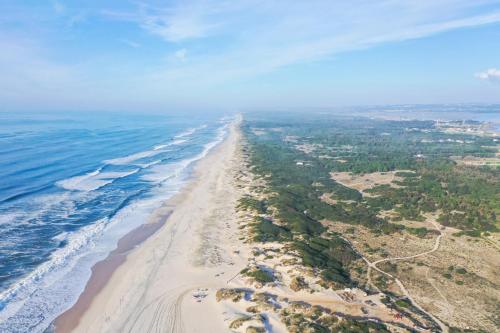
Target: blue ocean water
pixel 70 186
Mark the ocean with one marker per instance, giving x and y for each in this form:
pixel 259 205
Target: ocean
pixel 73 184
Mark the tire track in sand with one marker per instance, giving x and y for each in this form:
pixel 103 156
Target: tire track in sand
pixel 167 314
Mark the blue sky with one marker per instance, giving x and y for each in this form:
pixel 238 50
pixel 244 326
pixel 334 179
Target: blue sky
pixel 218 54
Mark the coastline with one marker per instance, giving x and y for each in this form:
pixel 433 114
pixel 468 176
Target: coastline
pixel 123 286
pixel 103 270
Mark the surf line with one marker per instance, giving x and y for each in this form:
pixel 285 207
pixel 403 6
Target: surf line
pixel 103 270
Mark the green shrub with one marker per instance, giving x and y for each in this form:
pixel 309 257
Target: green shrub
pixel 260 275
pixel 403 303
pixel 267 231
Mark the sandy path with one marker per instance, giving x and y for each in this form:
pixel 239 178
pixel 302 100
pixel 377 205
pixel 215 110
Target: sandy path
pixel 434 249
pixel 153 290
pixel 401 286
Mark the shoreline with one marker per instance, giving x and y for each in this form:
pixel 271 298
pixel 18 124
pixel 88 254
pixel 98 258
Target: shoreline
pixel 103 270
pixel 81 315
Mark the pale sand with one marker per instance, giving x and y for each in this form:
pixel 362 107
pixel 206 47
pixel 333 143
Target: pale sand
pixel 153 289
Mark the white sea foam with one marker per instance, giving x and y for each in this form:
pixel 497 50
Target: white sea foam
pixel 93 180
pixel 158 149
pixel 70 182
pixel 190 131
pixel 61 237
pixel 60 205
pixel 147 165
pixel 17 296
pixel 173 143
pixel 56 284
pixel 162 172
pixel 134 157
pixel 8 218
pixel 185 133
pixel 178 141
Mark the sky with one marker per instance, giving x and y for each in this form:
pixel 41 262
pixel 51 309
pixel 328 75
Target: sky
pixel 239 54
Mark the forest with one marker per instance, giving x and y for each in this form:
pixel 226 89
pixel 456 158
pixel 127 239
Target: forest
pixel 465 197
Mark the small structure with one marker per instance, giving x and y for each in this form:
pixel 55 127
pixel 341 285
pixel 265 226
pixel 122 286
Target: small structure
pixel 398 316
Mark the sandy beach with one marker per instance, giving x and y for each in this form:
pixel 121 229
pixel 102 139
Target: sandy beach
pixel 168 282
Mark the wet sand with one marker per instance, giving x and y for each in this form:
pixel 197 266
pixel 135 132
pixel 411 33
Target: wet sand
pixel 103 270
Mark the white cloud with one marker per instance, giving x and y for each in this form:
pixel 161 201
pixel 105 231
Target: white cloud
pixel 214 44
pixel 255 37
pixel 79 17
pixel 130 43
pixel 491 74
pixel 175 27
pixel 181 54
pixel 58 7
pixel 175 23
pixel 260 37
pixel 31 77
